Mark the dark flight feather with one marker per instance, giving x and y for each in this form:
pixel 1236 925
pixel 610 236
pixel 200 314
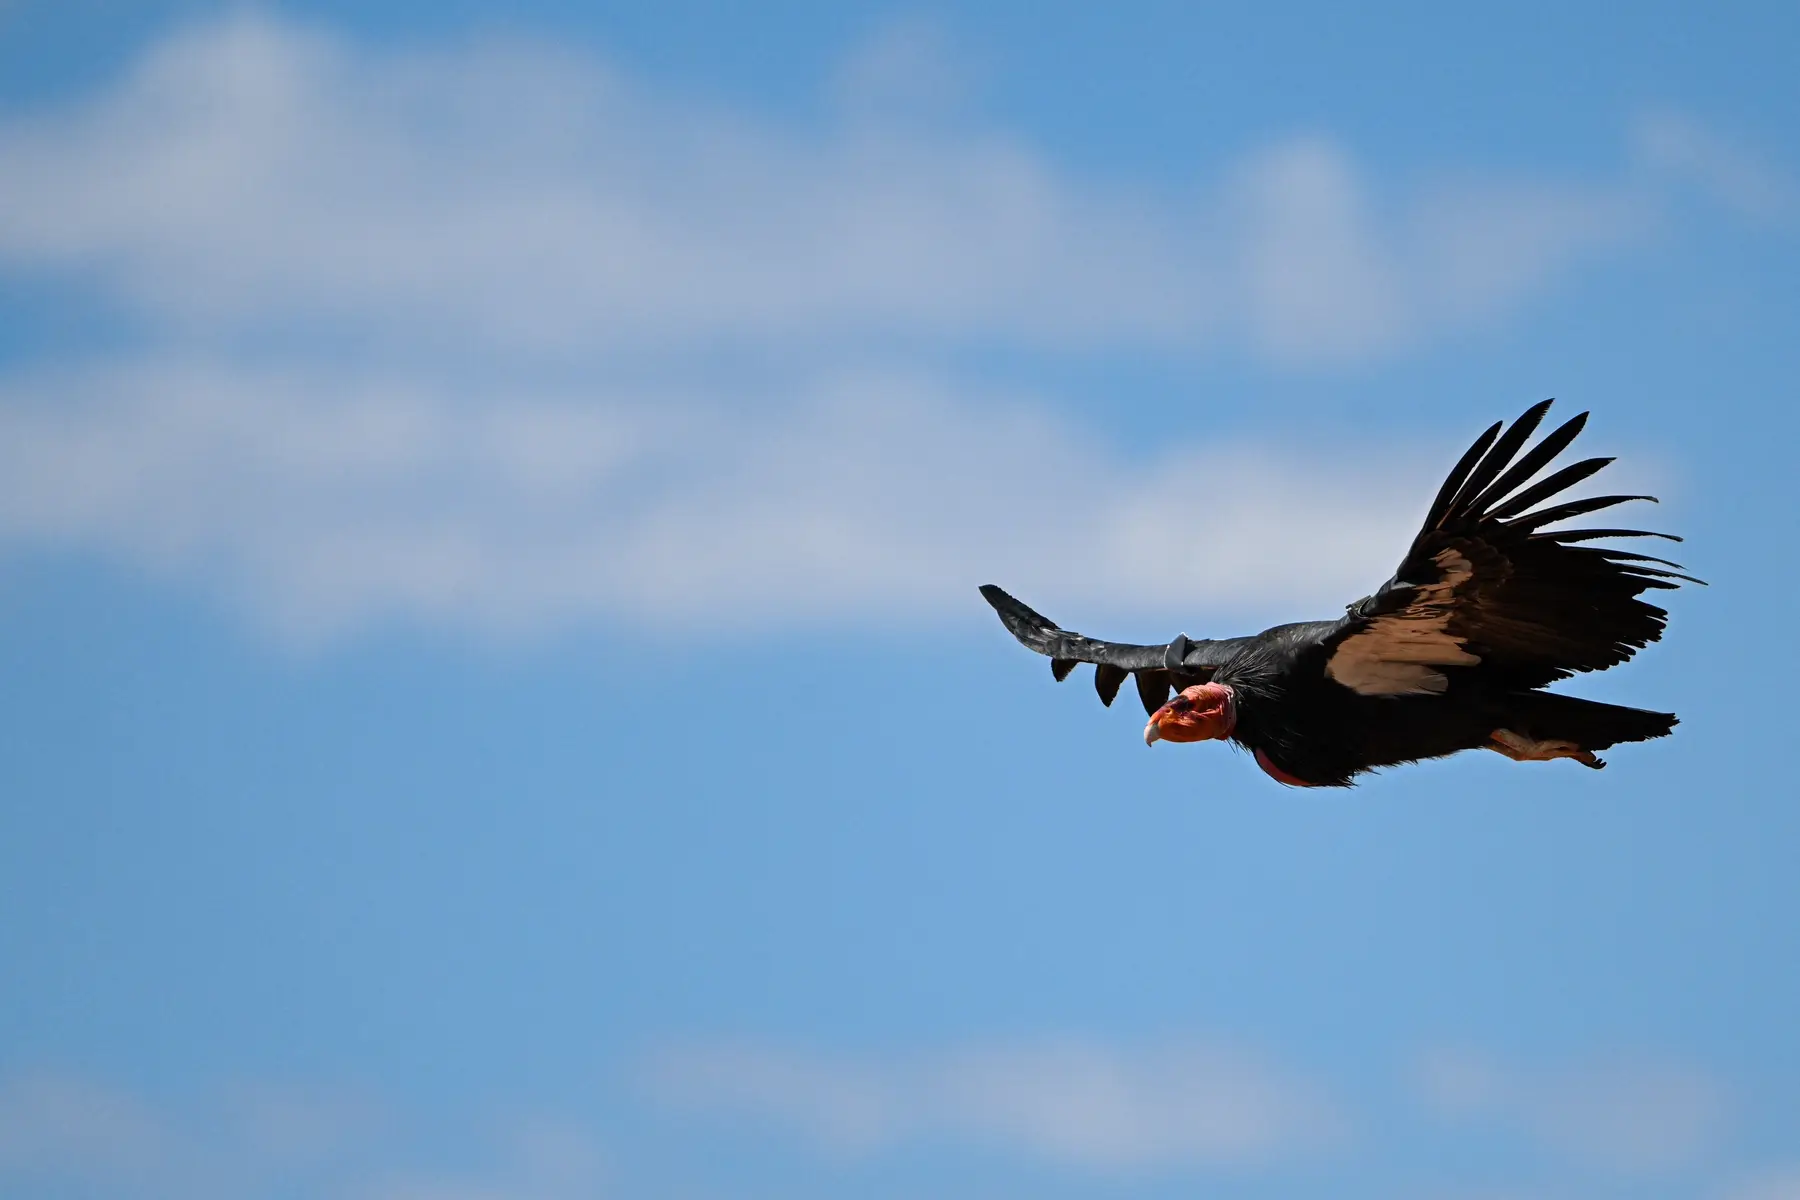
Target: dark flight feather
pixel 1591 535
pixel 1153 689
pixel 1549 486
pixel 1495 460
pixel 1453 482
pixel 1530 463
pixel 1563 512
pixel 1107 681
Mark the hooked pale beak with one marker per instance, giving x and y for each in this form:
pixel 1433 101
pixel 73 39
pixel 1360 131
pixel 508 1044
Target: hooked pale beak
pixel 1199 714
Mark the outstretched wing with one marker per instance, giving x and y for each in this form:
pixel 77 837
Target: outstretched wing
pixel 1485 586
pixel 1157 669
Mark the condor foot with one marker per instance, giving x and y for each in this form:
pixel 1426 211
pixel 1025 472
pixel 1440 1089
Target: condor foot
pixel 1520 748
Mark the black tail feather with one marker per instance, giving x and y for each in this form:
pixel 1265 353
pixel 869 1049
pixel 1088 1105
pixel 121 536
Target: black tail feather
pixel 1590 724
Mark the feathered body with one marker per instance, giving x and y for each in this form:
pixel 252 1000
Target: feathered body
pixel 1452 653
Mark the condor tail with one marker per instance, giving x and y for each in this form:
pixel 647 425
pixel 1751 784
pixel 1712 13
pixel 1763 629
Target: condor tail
pixel 1548 717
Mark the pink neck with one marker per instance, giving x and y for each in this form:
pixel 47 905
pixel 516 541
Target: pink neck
pixel 1230 709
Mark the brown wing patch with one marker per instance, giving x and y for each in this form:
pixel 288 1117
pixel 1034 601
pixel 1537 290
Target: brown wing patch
pixel 1398 654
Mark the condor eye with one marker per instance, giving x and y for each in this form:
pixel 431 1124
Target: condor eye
pixel 1181 704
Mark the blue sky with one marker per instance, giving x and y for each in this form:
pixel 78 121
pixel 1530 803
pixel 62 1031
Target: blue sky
pixel 490 508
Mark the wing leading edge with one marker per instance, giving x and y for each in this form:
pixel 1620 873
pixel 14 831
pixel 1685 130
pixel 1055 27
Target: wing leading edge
pixel 1157 669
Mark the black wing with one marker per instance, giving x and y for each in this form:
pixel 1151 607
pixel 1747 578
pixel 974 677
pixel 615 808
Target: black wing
pixel 1484 585
pixel 1177 664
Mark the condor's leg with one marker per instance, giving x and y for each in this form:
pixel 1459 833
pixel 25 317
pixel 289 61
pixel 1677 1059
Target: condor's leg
pixel 1536 726
pixel 1520 748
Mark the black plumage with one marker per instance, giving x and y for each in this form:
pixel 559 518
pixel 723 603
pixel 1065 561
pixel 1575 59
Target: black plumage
pixel 1452 653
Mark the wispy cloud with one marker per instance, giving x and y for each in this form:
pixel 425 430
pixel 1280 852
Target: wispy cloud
pixel 1777 1184
pixel 1090 1104
pixel 1635 1117
pixel 494 336
pixel 325 501
pixel 1727 169
pixel 60 1132
pixel 1114 1109
pixel 52 1124
pixel 539 1159
pixel 251 173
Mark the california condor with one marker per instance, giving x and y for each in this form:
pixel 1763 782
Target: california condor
pixel 1450 654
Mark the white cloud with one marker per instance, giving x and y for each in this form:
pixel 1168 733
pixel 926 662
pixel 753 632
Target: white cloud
pixel 494 337
pixel 251 174
pixel 1084 1103
pixel 1635 1117
pixel 1778 1184
pixel 293 1126
pixel 909 70
pixel 52 1123
pixel 60 1132
pixel 1728 170
pixel 325 501
pixel 539 1160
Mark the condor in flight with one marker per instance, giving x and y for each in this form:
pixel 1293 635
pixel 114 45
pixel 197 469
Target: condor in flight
pixel 1450 654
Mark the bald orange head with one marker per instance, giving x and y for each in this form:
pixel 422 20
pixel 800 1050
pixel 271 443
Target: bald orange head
pixel 1200 714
